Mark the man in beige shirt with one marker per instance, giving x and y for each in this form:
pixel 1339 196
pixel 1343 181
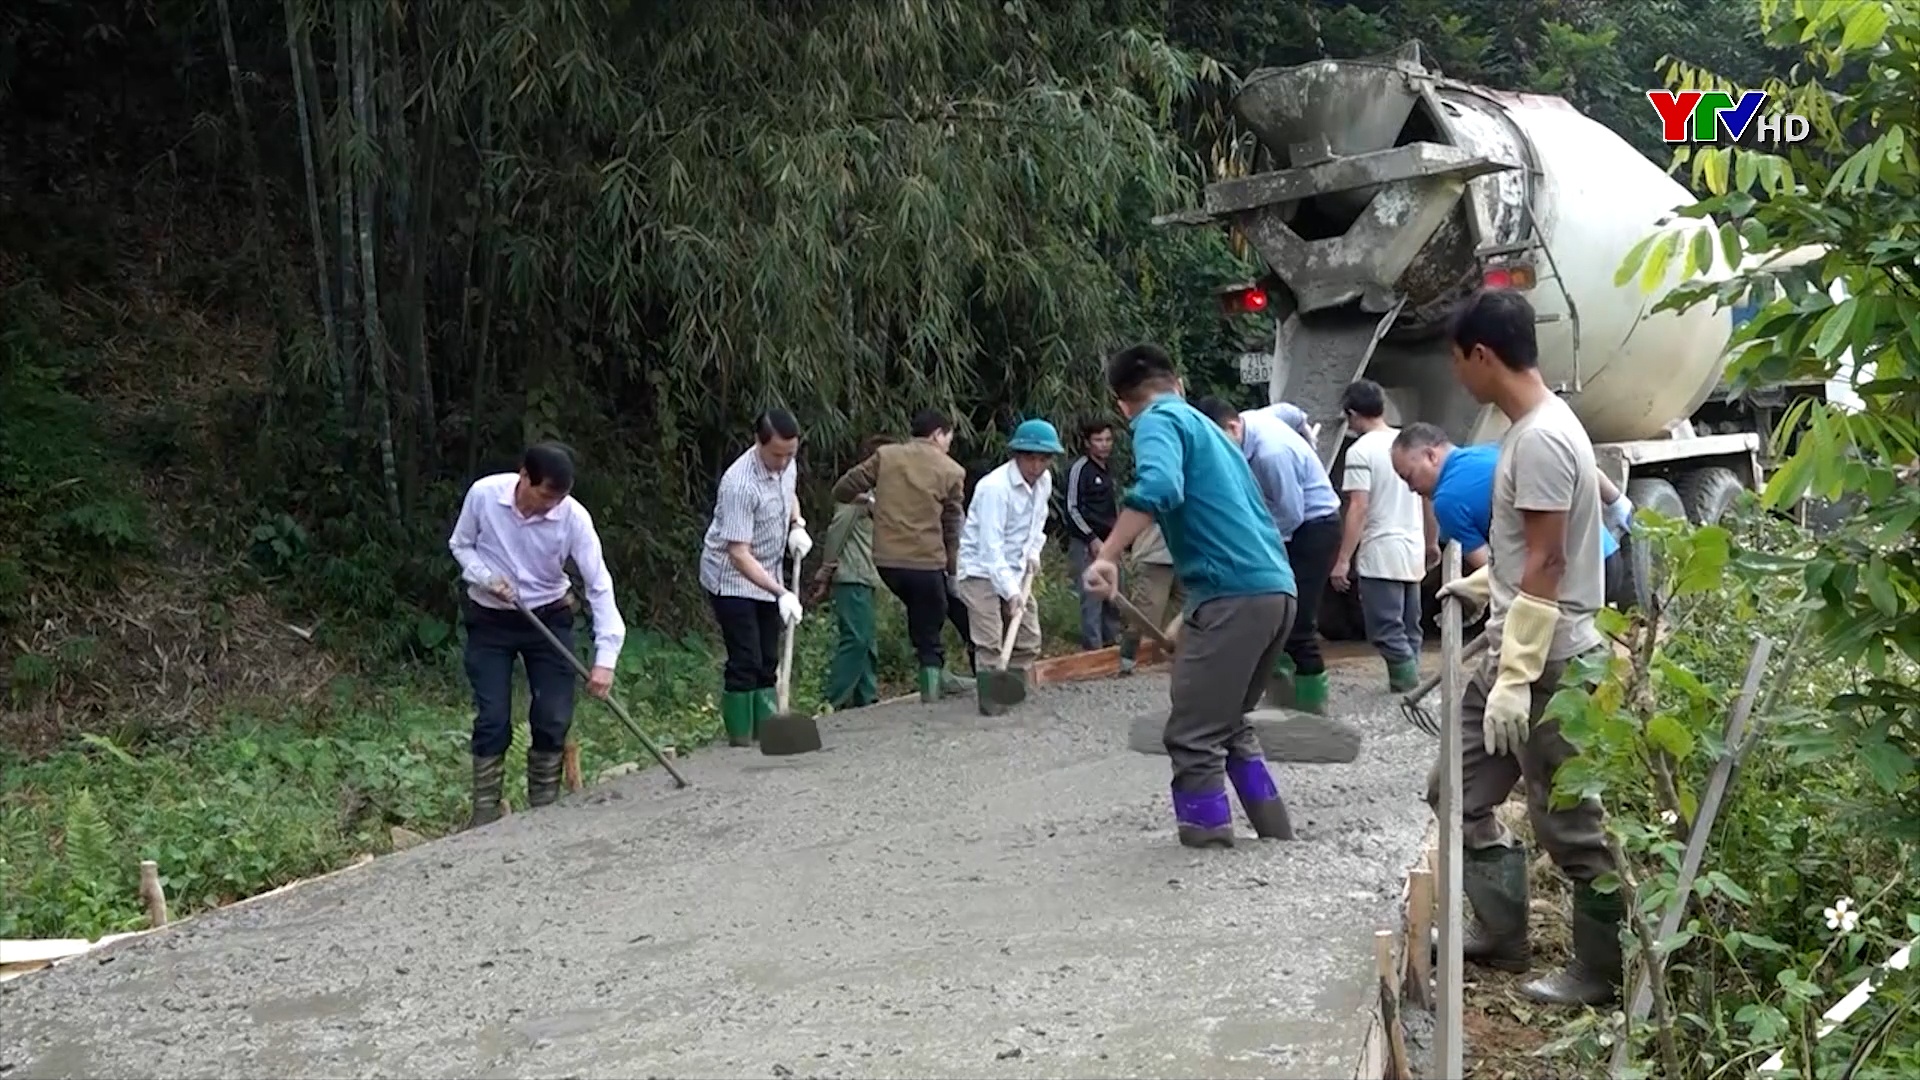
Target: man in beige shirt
pixel 1544 581
pixel 919 502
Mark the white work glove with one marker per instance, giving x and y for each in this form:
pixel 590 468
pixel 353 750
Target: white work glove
pixel 499 586
pixel 798 542
pixel 1508 718
pixel 1524 644
pixel 1619 514
pixel 789 609
pixel 1474 590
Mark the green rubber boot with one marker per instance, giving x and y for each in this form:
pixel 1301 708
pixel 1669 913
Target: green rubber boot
pixel 736 715
pixel 763 702
pixel 489 774
pixel 931 684
pixel 1495 881
pixel 1593 976
pixel 543 777
pixel 1403 676
pixel 1281 690
pixel 1310 693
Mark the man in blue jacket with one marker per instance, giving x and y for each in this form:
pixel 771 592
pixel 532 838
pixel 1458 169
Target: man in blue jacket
pixel 1193 482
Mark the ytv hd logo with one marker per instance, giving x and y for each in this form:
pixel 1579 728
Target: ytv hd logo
pixel 1712 110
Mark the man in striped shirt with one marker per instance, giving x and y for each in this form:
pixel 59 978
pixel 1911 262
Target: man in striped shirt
pixel 515 534
pixel 756 521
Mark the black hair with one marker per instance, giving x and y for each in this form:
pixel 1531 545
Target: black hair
pixel 1363 397
pixel 1138 369
pixel 928 422
pixel 548 465
pixel 1217 410
pixel 1503 321
pixel 1420 436
pixel 775 424
pixel 1092 426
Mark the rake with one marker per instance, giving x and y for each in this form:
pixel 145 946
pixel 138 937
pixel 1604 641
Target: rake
pixel 1416 713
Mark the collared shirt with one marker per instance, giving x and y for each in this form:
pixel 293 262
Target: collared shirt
pixel 1292 481
pixel 1197 486
pixel 1006 527
pixel 1463 499
pixel 492 537
pixel 754 507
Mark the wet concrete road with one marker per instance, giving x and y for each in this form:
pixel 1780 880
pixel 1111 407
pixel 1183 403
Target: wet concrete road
pixel 937 894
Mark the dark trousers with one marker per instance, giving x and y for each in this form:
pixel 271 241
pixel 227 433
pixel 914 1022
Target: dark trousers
pixel 962 621
pixel 1312 551
pixel 494 639
pixel 1574 836
pixel 750 630
pixel 1226 650
pixel 924 592
pixel 1099 620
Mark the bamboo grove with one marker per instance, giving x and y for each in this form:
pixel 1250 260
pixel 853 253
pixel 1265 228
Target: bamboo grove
pixel 631 224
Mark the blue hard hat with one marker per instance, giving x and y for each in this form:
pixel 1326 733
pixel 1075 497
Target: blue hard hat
pixel 1035 437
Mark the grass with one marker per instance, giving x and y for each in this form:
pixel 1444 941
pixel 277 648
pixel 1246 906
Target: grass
pixel 264 799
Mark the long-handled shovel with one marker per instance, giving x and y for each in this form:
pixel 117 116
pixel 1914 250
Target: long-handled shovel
pixel 999 689
pixel 787 732
pixel 619 710
pixel 1132 613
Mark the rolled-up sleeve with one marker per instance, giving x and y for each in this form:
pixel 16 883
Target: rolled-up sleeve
pixel 1159 466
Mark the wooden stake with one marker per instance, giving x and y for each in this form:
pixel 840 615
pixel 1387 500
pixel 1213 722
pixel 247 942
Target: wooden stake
pixel 1449 1051
pixel 1420 937
pixel 152 894
pixel 570 766
pixel 1397 1065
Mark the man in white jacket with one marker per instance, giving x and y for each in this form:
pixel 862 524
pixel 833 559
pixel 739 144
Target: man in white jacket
pixel 1000 545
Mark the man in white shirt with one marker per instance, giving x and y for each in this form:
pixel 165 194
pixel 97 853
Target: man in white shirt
pixel 515 534
pixel 1000 544
pixel 1386 541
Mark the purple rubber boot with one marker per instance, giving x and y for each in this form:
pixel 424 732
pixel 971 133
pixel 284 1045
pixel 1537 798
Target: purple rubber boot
pixel 1205 819
pixel 1260 798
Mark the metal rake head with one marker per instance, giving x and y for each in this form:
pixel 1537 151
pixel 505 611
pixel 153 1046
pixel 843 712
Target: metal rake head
pixel 1418 715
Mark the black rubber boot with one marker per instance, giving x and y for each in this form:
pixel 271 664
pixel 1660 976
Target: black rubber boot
pixel 1495 881
pixel 1593 976
pixel 488 775
pixel 543 777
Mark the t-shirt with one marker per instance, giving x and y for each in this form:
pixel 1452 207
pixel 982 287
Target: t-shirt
pixel 1546 463
pixel 1394 543
pixel 1463 499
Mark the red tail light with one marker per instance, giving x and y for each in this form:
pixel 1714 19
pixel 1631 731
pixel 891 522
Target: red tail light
pixel 1248 300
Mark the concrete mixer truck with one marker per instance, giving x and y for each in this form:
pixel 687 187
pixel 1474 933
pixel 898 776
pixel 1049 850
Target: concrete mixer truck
pixel 1385 194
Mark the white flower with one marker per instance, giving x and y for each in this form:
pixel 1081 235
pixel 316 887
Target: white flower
pixel 1668 817
pixel 1841 915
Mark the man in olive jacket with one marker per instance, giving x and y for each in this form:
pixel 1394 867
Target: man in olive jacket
pixel 919 503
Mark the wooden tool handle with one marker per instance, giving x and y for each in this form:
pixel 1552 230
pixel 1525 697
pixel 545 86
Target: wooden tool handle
pixel 1139 619
pixel 1012 630
pixel 783 682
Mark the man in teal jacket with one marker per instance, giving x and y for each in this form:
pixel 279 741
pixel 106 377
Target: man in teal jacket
pixel 1194 483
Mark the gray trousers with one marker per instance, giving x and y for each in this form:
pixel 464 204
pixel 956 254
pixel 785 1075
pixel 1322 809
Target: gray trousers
pixel 1392 613
pixel 1227 648
pixel 1573 837
pixel 1099 621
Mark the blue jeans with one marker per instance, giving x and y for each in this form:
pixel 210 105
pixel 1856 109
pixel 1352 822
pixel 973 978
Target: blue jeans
pixel 1099 622
pixel 494 640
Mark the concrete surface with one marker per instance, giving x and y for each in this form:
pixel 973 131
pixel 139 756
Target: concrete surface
pixel 936 894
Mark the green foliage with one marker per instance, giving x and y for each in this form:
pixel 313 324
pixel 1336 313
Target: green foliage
pixel 1820 810
pixel 68 512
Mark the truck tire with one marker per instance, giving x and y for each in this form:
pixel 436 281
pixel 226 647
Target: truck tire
pixel 1660 497
pixel 1708 493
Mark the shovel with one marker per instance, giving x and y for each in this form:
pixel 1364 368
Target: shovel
pixel 999 689
pixel 787 732
pixel 619 710
pixel 1131 613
